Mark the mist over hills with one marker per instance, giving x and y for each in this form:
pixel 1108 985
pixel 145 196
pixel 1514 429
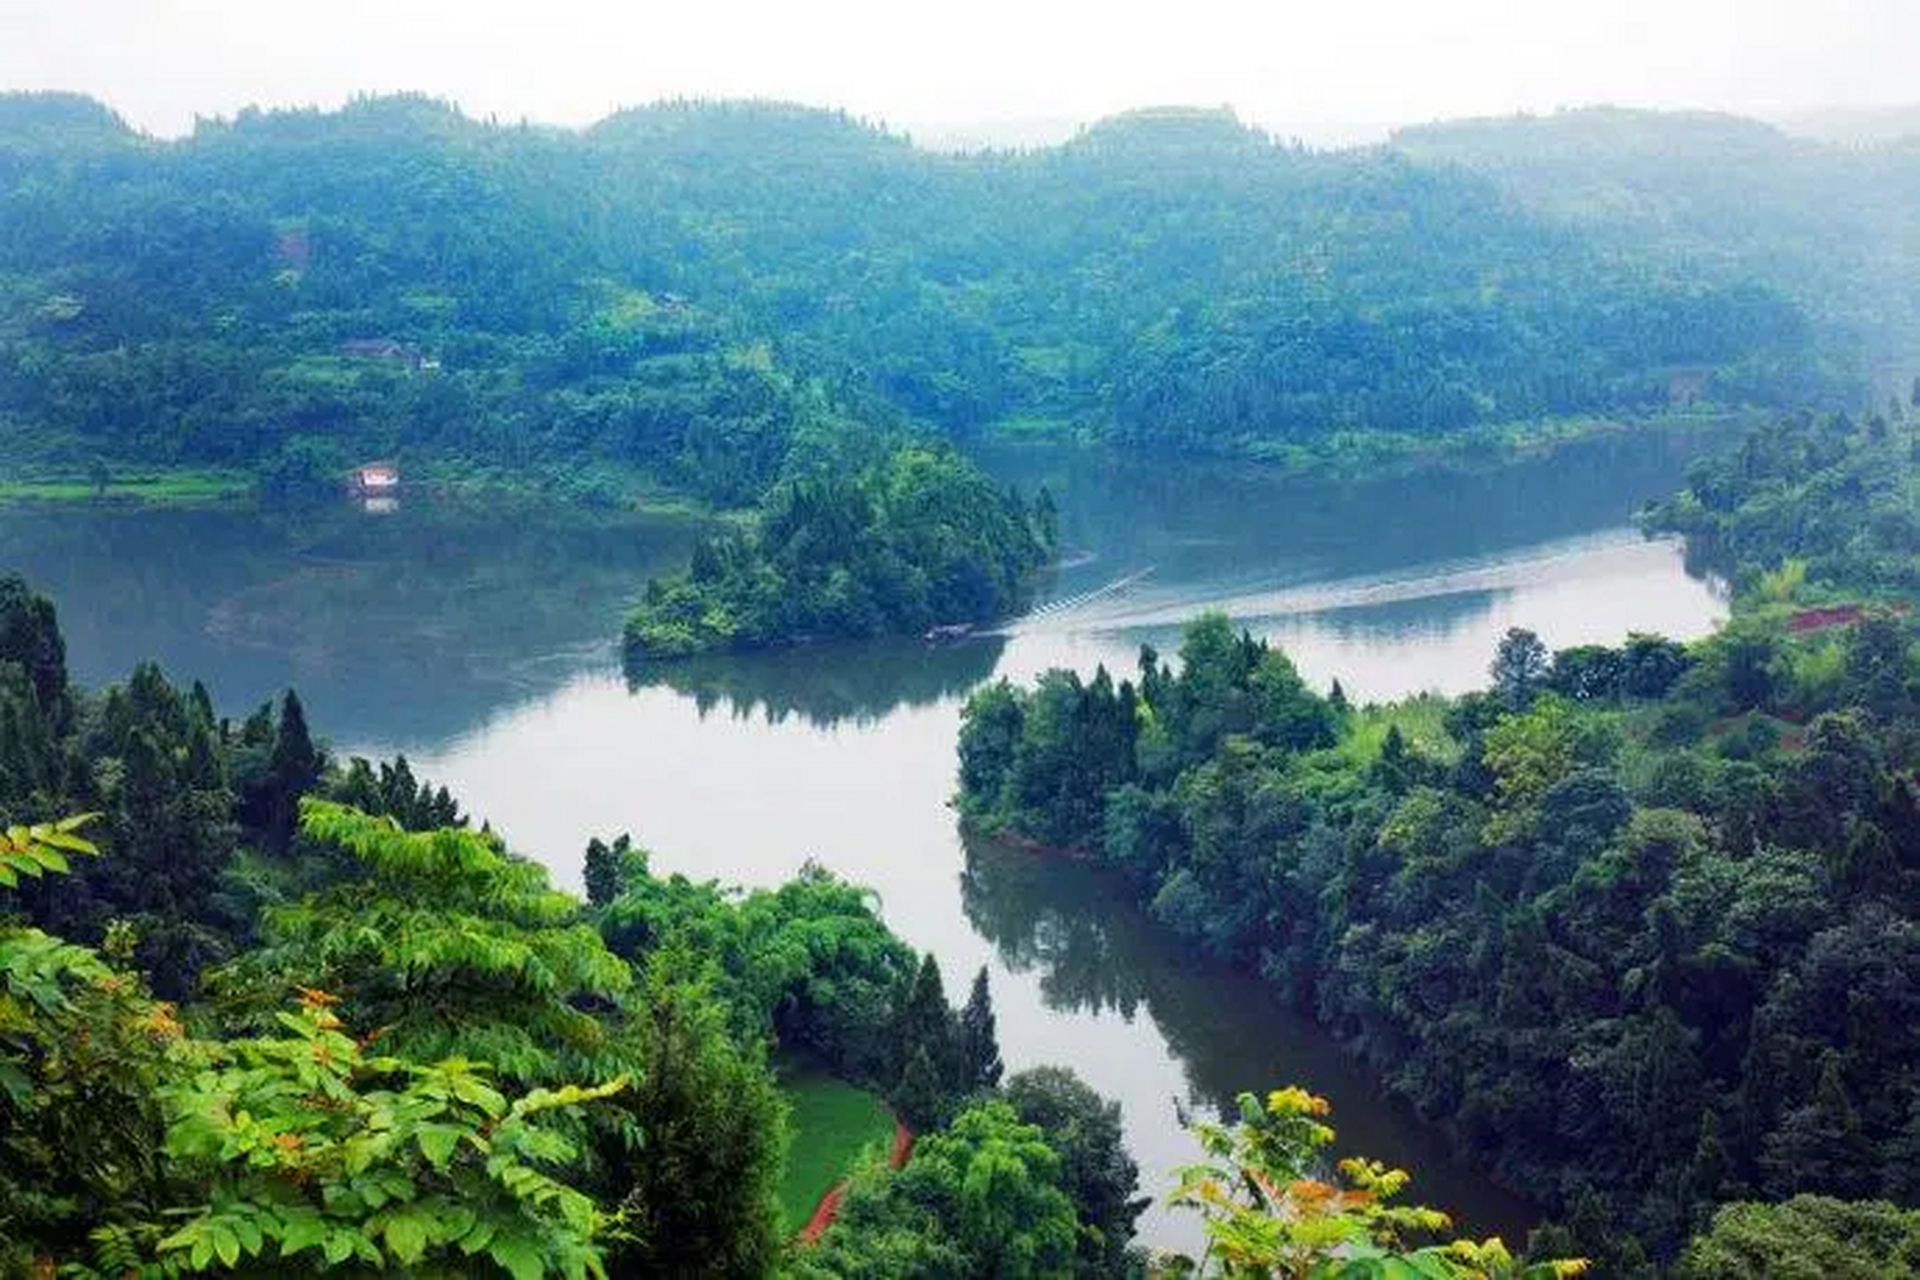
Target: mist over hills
pixel 692 280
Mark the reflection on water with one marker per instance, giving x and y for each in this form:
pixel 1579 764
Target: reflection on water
pixel 1073 927
pixel 481 643
pixel 410 626
pixel 826 684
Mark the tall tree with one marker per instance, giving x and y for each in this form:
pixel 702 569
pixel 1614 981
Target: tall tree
pixel 30 636
pixel 979 1047
pixel 1095 1169
pixel 702 1200
pixel 1520 668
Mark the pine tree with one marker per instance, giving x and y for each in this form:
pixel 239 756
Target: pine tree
pixel 30 636
pixel 923 1026
pixel 1707 1175
pixel 980 1065
pixel 294 767
pixel 702 1198
pixel 921 1096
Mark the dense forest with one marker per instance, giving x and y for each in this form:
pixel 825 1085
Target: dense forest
pixel 920 539
pixel 687 294
pixel 1637 924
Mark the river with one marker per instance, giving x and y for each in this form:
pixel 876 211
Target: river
pixel 479 645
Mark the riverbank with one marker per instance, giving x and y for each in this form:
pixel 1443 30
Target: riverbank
pixel 146 486
pixel 630 493
pixel 1354 455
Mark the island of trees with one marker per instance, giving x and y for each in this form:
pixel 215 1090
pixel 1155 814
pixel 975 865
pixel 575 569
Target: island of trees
pixel 1638 924
pixel 919 540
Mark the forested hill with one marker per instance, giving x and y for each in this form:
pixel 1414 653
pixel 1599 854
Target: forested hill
pixel 688 288
pixel 1733 198
pixel 1640 924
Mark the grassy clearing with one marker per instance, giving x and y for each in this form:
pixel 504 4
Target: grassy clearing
pixel 159 487
pixel 832 1123
pixel 1422 721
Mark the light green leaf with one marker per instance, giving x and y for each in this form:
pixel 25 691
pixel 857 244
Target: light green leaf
pixel 407 1237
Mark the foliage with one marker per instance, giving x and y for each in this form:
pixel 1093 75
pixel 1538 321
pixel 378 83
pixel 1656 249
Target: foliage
pixel 449 945
pixel 809 964
pixel 919 539
pixel 1095 1170
pixel 303 1142
pixel 390 790
pixel 1806 1238
pixel 36 850
pixel 978 1046
pixel 703 1197
pixel 981 1198
pixel 1268 1215
pixel 1805 505
pixel 82 1052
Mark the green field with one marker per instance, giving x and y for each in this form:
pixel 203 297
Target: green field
pixel 182 487
pixel 832 1122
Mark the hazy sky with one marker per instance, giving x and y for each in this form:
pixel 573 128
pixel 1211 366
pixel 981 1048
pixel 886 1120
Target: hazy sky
pixel 1306 65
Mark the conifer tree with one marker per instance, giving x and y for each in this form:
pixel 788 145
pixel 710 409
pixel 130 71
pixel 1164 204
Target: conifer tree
pixel 980 1065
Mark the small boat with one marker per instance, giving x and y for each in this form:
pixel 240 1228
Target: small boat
pixel 949 633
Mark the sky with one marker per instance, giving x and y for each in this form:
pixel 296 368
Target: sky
pixel 1323 70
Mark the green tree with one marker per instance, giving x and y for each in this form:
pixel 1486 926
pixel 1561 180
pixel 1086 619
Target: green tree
pixel 981 1198
pixel 1096 1172
pixel 606 868
pixel 30 636
pixel 978 1047
pixel 1520 668
pixel 294 768
pixel 452 946
pixel 1821 1145
pixel 923 1025
pixel 703 1199
pixel 1806 1238
pixel 83 1053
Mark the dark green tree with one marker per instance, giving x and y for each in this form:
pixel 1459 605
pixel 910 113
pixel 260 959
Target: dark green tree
pixel 702 1200
pixel 1095 1169
pixel 1806 1238
pixel 606 868
pixel 979 1046
pixel 30 635
pixel 1520 668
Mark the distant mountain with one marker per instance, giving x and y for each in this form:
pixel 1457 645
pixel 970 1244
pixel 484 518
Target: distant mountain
pixel 1854 126
pixel 687 285
pixel 1718 197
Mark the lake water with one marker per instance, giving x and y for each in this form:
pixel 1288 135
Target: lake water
pixel 478 642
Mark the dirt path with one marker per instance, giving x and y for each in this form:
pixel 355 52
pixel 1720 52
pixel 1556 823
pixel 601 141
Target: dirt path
pixel 829 1206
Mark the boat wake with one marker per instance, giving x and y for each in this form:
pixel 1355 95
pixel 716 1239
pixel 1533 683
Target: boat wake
pixel 1121 605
